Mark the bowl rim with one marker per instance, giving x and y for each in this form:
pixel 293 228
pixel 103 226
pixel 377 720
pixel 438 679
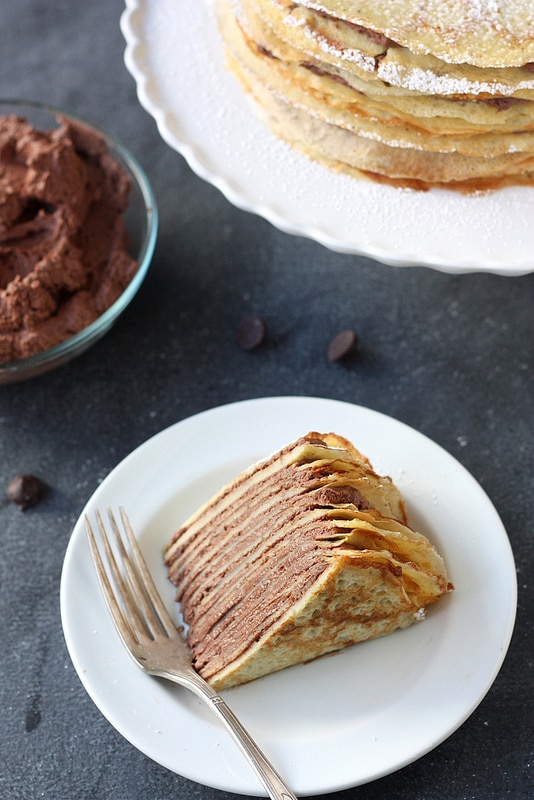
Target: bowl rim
pixel 81 339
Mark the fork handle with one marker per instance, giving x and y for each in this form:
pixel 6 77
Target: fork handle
pixel 270 778
pixel 272 781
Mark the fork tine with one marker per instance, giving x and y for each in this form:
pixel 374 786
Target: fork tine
pixel 141 601
pixel 127 597
pixel 132 589
pixel 122 622
pixel 149 586
pixel 129 584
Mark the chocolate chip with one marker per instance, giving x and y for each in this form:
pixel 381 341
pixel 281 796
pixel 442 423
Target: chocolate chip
pixel 25 491
pixel 251 332
pixel 342 345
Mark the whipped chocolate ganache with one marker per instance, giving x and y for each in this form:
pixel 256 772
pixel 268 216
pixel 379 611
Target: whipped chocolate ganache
pixel 63 244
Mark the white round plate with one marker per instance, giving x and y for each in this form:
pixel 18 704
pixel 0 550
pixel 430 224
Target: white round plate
pixel 174 53
pixel 339 721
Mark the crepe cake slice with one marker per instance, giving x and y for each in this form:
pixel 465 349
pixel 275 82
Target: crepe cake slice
pixel 301 555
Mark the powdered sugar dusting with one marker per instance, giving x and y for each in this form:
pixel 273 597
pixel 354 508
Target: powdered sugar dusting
pixel 428 82
pixel 491 13
pixel 416 79
pixel 513 17
pixel 366 63
pixel 486 33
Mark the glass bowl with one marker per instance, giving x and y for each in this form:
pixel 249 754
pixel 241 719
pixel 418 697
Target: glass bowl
pixel 141 220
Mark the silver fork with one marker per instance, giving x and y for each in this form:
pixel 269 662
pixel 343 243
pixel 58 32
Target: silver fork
pixel 153 640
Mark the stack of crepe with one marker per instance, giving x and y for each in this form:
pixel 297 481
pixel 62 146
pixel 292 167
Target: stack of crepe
pixel 416 93
pixel 302 554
